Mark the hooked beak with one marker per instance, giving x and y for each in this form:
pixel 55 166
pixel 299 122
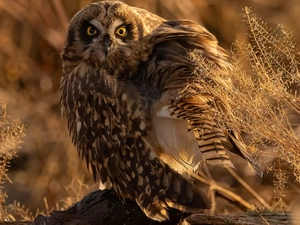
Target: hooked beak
pixel 106 44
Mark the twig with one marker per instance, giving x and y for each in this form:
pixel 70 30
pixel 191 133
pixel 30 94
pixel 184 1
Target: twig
pixel 213 185
pixel 245 185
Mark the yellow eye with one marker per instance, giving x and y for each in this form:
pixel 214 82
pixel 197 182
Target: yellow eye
pixel 91 31
pixel 122 32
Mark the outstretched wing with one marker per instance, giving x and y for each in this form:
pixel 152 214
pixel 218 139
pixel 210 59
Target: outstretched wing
pixel 184 129
pixel 199 109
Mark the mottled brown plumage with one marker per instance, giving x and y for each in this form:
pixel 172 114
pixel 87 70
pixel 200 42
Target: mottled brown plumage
pixel 135 108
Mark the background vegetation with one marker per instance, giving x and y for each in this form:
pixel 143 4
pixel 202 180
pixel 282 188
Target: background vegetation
pixel 47 168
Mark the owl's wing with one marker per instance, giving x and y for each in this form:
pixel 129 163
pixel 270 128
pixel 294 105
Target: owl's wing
pixel 198 110
pixel 184 128
pixel 187 134
pixel 109 131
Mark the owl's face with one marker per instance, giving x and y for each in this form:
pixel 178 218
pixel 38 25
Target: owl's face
pixel 106 35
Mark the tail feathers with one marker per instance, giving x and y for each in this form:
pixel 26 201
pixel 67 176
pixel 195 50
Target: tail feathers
pixel 214 145
pixel 211 144
pixel 183 195
pixel 164 188
pixel 155 208
pixel 153 184
pixel 174 191
pixel 240 149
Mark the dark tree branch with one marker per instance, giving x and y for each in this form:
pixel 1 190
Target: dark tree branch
pixel 104 207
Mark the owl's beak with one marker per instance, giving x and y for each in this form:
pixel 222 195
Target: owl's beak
pixel 106 44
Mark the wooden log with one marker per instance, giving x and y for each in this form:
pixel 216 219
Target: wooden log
pixel 244 219
pixel 104 207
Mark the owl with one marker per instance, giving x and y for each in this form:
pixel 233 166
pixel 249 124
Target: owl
pixel 135 109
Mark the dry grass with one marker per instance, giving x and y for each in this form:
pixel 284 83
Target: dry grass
pixel 32 35
pixel 11 136
pixel 262 96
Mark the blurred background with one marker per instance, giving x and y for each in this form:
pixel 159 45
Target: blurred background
pixel 32 36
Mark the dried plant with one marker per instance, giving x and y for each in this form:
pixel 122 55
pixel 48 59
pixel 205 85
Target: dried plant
pixel 260 90
pixel 18 211
pixel 11 134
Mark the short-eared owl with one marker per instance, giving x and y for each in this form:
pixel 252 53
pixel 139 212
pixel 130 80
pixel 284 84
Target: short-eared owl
pixel 129 111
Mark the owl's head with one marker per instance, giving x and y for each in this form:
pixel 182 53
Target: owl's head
pixel 106 34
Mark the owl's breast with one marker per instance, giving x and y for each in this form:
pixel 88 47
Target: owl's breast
pixel 103 112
